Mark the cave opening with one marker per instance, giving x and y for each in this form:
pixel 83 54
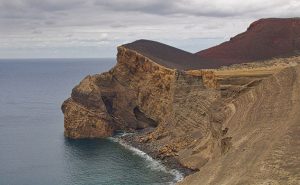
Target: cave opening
pixel 108 102
pixel 140 116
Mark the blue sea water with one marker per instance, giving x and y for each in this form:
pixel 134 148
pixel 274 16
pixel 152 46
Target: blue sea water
pixel 33 150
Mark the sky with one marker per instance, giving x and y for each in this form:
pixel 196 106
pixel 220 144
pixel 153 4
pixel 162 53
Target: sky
pixel 94 28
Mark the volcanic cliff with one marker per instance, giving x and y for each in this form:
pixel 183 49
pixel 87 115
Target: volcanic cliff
pixel 237 124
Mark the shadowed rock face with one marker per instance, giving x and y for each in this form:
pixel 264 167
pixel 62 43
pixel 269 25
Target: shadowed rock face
pixel 264 39
pixel 237 124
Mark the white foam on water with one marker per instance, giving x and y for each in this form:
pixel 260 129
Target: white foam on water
pixel 152 163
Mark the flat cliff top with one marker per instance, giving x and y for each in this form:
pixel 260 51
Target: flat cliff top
pixel 264 39
pixel 169 56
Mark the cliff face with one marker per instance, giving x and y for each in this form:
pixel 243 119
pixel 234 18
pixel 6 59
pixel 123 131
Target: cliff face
pixel 137 93
pixel 223 121
pixel 121 96
pixel 214 120
pixel 237 124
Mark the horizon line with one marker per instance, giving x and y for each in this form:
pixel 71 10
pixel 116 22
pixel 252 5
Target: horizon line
pixel 41 58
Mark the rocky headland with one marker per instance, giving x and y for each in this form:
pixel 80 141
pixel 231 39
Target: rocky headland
pixel 227 121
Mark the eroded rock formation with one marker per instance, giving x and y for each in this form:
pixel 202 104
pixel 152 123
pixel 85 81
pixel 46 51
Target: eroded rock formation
pixel 135 94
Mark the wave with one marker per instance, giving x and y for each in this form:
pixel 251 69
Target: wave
pixel 152 163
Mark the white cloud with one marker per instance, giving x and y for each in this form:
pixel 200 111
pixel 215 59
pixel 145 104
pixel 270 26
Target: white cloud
pixel 100 25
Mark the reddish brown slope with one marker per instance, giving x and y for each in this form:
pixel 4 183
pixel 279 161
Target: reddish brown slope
pixel 264 39
pixel 169 56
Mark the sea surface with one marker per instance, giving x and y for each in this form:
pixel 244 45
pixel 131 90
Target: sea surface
pixel 33 150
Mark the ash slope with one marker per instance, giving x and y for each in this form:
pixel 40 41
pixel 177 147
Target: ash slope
pixel 264 125
pixel 264 39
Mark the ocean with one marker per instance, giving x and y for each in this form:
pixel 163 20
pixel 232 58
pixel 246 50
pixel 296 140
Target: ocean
pixel 33 150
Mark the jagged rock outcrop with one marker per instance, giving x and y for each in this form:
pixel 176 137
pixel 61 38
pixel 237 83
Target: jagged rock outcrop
pixel 85 113
pixel 137 93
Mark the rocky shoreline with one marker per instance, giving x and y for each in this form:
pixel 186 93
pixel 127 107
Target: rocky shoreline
pixel 133 139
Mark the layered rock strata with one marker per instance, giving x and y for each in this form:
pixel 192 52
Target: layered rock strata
pixel 264 125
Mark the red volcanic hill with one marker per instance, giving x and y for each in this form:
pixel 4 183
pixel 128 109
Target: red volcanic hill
pixel 264 39
pixel 170 56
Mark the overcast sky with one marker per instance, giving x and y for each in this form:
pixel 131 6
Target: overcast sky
pixel 93 28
